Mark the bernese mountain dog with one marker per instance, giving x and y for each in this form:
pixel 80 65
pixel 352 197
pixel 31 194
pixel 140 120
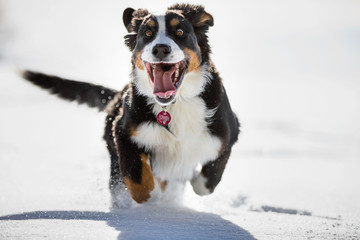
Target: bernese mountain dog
pixel 173 122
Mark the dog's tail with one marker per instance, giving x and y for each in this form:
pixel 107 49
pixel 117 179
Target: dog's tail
pixel 91 94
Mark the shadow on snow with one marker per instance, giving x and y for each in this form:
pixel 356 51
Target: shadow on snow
pixel 151 223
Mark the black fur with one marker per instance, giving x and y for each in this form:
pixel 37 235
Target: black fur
pixel 91 94
pixel 192 14
pixel 224 124
pixel 127 109
pixel 132 21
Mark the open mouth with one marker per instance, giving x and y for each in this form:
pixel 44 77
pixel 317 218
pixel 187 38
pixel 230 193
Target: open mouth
pixel 165 78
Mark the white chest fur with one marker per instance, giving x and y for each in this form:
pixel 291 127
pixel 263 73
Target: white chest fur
pixel 176 154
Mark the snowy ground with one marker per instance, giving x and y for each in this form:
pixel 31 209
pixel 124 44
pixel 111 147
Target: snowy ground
pixel 292 75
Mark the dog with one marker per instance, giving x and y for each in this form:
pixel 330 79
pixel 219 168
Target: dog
pixel 174 115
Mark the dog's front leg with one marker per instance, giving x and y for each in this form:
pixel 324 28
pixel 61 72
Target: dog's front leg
pixel 140 186
pixel 135 169
pixel 210 175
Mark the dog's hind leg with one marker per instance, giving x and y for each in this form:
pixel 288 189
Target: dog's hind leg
pixel 210 176
pixel 120 197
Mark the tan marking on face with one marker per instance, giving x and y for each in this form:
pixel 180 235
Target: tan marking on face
pixel 194 62
pixel 138 62
pixel 140 192
pixel 151 23
pixel 174 22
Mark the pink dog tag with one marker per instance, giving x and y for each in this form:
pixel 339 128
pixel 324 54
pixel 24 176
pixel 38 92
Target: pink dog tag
pixel 163 118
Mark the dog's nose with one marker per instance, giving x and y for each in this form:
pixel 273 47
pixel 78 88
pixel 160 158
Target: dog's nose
pixel 161 50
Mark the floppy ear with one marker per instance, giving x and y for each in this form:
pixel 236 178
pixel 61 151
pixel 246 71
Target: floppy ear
pixel 133 18
pixel 127 17
pixel 203 19
pixel 196 15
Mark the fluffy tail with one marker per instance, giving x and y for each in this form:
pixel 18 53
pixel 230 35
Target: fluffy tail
pixel 91 94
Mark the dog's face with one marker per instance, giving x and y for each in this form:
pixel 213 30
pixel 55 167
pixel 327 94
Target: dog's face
pixel 166 48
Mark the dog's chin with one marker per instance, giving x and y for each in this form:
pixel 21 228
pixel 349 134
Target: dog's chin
pixel 165 78
pixel 165 101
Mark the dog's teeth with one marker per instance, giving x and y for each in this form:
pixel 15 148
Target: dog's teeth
pixel 177 72
pixel 164 97
pixel 153 66
pixel 177 66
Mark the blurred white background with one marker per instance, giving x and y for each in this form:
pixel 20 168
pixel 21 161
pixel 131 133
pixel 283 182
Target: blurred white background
pixel 291 70
pixel 293 65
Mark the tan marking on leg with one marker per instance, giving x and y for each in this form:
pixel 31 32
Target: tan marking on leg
pixel 162 184
pixel 174 22
pixel 194 62
pixel 222 147
pixel 138 61
pixel 140 192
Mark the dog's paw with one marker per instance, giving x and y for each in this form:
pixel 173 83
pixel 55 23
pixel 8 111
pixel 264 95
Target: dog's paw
pixel 155 194
pixel 199 185
pixel 140 192
pixel 120 197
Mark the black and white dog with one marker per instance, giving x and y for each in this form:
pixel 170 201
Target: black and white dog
pixel 172 117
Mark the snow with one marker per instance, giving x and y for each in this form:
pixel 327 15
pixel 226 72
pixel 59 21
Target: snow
pixel 293 78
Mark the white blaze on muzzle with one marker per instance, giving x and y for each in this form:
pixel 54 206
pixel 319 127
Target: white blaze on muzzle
pixel 165 74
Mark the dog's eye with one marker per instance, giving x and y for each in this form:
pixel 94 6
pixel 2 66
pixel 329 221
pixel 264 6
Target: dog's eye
pixel 179 32
pixel 148 33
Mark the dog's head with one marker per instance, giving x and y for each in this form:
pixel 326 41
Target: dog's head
pixel 167 48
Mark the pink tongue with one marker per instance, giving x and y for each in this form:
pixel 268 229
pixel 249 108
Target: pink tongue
pixel 163 86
